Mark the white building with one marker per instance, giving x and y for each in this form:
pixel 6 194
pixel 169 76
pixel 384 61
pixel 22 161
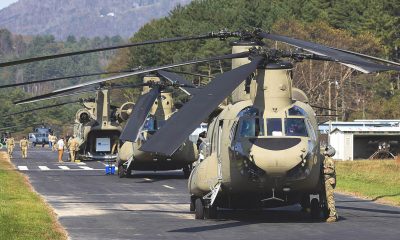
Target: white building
pixel 360 142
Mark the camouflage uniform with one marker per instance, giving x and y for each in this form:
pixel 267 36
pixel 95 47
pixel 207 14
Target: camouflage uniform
pixel 24 147
pixel 10 146
pixel 73 147
pixel 330 183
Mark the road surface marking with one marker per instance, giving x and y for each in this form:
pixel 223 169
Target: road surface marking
pixel 23 168
pixel 64 167
pixel 81 163
pixel 44 168
pixel 168 187
pixel 86 168
pixel 147 179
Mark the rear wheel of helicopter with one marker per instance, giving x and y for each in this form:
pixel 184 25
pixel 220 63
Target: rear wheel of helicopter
pixel 187 170
pixel 199 209
pixel 211 212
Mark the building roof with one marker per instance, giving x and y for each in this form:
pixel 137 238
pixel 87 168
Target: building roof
pixel 367 130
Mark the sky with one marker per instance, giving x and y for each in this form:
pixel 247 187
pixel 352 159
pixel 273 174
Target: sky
pixel 5 3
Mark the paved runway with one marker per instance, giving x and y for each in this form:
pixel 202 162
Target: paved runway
pixel 92 205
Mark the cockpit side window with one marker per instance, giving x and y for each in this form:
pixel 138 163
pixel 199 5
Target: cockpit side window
pixel 295 127
pixel 149 124
pixel 274 127
pixel 251 127
pixel 296 111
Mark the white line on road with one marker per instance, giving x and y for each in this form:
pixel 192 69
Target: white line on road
pixel 64 167
pixel 147 179
pixel 168 187
pixel 44 168
pixel 86 168
pixel 23 168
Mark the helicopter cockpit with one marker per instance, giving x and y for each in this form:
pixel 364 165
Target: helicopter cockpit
pixel 250 124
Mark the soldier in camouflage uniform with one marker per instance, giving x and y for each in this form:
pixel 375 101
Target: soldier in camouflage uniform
pixel 10 146
pixel 24 147
pixel 330 182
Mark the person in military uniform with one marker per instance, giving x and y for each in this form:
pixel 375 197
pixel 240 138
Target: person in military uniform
pixel 54 141
pixel 72 147
pixel 24 147
pixel 10 146
pixel 330 183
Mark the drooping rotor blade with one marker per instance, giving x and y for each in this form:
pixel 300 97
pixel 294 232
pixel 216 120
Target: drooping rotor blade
pixel 348 59
pixel 66 77
pixel 138 115
pixel 18 126
pixel 53 95
pixel 168 139
pixel 367 56
pixel 176 79
pixel 153 69
pixel 40 108
pixel 324 108
pixel 165 40
pixel 189 73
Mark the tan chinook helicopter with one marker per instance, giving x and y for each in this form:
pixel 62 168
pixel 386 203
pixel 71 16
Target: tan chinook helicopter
pixel 97 125
pixel 154 107
pixel 263 149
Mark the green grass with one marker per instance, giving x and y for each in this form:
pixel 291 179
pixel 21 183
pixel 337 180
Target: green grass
pixel 23 214
pixel 374 179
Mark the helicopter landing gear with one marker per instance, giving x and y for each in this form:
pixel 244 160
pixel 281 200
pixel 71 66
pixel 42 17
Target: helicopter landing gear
pixel 123 172
pixel 199 209
pixel 203 209
pixel 187 170
pixel 315 209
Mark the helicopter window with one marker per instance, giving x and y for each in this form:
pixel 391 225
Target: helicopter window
pixel 251 127
pixel 274 127
pixel 296 111
pixel 149 124
pixel 295 127
pixel 248 112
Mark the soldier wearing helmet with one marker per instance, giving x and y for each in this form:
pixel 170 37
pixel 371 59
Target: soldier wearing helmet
pixel 330 182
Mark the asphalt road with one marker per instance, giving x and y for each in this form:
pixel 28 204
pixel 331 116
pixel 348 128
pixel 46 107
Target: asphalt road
pixel 92 205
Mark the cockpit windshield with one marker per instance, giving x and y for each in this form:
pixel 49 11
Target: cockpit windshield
pixel 251 127
pixel 295 127
pixel 152 124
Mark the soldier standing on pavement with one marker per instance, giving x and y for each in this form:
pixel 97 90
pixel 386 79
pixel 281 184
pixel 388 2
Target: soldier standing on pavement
pixel 54 141
pixel 330 183
pixel 10 145
pixel 73 147
pixel 24 147
pixel 60 146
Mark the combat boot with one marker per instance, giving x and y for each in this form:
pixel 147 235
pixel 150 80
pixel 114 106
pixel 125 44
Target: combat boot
pixel 332 219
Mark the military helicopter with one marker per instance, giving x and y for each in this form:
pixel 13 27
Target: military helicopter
pixel 263 149
pixel 97 125
pixel 153 108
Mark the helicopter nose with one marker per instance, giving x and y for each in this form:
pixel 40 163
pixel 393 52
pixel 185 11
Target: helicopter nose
pixel 277 155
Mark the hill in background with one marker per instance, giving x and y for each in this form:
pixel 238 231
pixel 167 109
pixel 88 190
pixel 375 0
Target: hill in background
pixel 83 18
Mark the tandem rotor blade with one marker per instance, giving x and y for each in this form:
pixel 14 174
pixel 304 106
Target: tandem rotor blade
pixel 165 40
pixel 53 95
pixel 40 108
pixel 176 79
pixel 139 114
pixel 66 77
pixel 152 69
pixel 349 59
pixel 324 108
pixel 168 139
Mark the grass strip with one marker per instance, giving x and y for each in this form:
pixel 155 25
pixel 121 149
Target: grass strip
pixel 23 213
pixel 378 180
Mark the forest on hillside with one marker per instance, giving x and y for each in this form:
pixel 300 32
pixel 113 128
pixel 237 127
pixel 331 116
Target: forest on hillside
pixel 366 26
pixel 370 27
pixel 17 47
